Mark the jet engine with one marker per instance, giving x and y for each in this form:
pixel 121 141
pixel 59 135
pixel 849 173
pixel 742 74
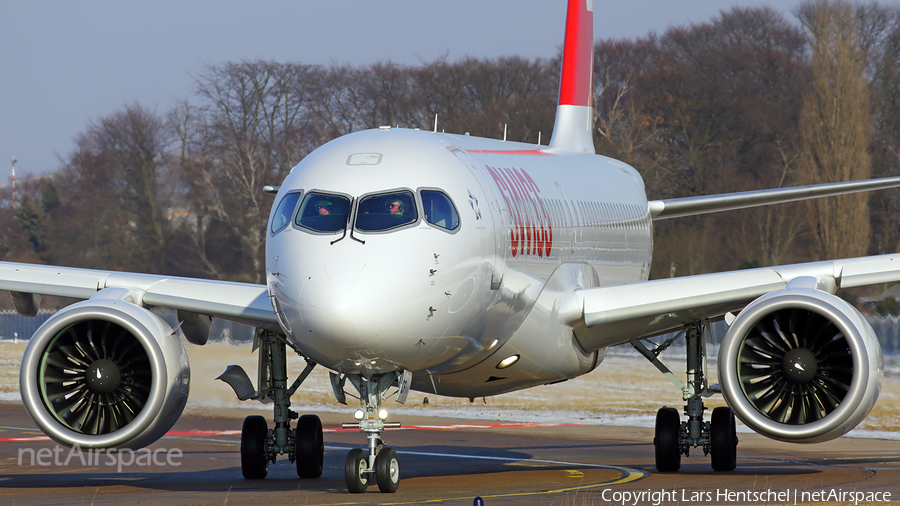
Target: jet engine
pixel 800 365
pixel 105 373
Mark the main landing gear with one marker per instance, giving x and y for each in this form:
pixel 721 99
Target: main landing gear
pixel 377 461
pixel 674 438
pixel 261 445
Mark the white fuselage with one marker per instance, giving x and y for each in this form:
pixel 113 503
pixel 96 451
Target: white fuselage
pixel 445 299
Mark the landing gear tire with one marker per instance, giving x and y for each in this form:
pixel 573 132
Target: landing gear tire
pixel 387 470
pixel 254 459
pixel 723 440
pixel 355 471
pixel 309 447
pixel 668 447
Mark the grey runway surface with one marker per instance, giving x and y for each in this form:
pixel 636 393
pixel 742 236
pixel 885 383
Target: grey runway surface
pixel 443 461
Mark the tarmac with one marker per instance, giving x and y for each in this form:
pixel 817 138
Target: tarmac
pixel 444 461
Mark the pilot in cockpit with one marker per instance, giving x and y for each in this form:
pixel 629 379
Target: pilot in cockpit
pixel 395 207
pixel 324 207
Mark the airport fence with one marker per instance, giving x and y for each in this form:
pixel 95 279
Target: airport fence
pixel 15 327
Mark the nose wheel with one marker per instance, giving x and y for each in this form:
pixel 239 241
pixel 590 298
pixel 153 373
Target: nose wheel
pixel 380 463
pixel 387 470
pixel 356 471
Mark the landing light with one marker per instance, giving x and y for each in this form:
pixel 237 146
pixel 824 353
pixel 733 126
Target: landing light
pixel 359 414
pixel 382 413
pixel 508 361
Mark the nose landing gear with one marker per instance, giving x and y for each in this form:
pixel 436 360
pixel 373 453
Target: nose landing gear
pixel 377 461
pixel 260 445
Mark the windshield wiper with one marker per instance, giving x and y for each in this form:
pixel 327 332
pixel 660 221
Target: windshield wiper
pixel 349 215
pixel 355 211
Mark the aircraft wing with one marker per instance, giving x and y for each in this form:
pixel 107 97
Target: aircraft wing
pixel 688 206
pixel 241 302
pixel 611 315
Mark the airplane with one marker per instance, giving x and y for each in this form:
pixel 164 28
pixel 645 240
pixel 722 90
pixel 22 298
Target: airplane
pixel 405 259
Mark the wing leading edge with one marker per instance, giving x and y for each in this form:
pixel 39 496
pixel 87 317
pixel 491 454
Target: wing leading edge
pixel 688 206
pixel 607 316
pixel 241 302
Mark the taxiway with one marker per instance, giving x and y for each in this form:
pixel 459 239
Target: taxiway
pixel 443 461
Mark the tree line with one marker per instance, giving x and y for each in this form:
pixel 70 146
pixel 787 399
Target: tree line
pixel 751 99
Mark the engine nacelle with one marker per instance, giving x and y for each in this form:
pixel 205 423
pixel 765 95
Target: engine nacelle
pixel 105 373
pixel 800 365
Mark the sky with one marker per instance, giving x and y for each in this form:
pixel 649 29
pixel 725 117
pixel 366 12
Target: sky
pixel 66 64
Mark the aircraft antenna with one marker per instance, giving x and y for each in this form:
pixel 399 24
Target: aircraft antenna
pixel 539 137
pixel 504 132
pixel 435 123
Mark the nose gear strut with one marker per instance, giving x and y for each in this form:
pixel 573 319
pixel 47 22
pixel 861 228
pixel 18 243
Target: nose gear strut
pixel 378 461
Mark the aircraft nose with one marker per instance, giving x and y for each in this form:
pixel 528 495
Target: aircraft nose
pixel 337 304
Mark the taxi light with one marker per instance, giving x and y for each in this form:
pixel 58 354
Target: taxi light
pixel 508 361
pixel 359 414
pixel 382 413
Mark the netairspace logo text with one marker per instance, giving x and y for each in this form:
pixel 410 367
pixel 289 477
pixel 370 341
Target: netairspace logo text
pixel 92 457
pixel 724 496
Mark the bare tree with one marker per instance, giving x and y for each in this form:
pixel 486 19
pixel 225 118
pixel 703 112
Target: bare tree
pixel 337 114
pixel 254 122
pixel 624 130
pixel 880 40
pixel 709 108
pixel 836 124
pixel 113 213
pixel 484 96
pixel 381 94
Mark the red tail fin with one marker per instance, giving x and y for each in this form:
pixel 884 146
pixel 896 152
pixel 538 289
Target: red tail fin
pixel 573 129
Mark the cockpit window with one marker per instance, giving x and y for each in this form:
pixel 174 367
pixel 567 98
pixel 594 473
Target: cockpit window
pixel 284 211
pixel 322 212
pixel 386 211
pixel 439 209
